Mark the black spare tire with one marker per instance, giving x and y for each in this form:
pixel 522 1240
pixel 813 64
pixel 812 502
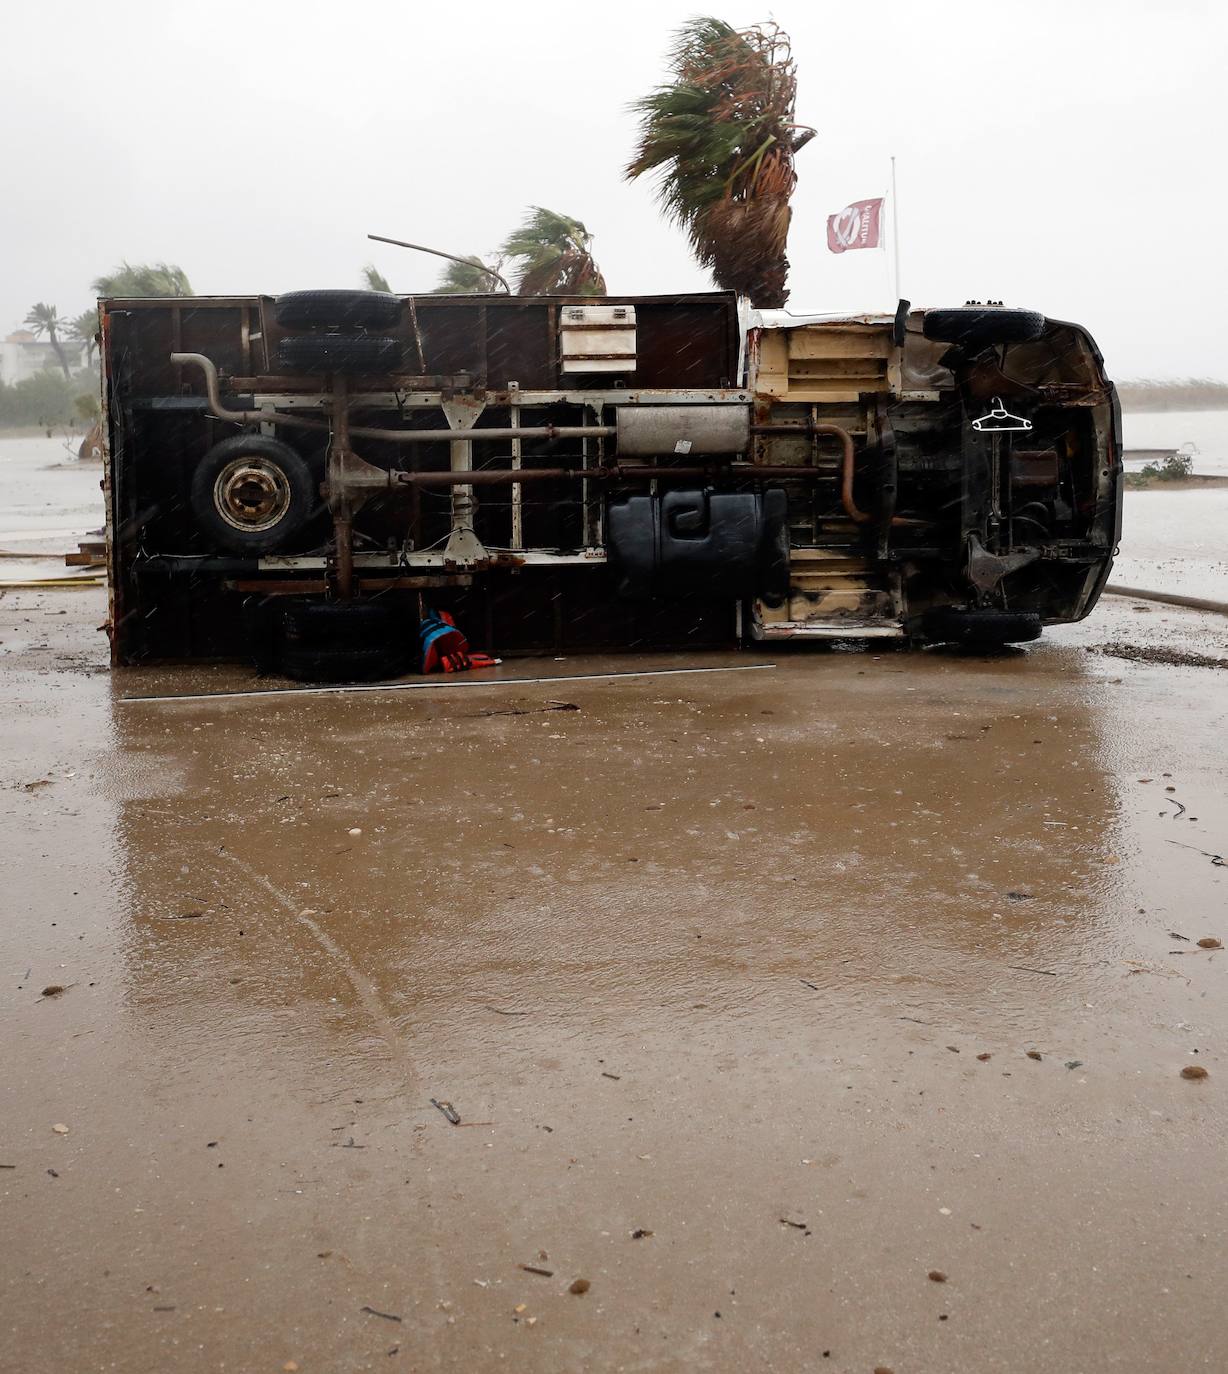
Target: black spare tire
pixel 363 355
pixel 337 310
pixel 338 641
pixel 342 665
pixel 985 629
pixel 980 326
pixel 251 494
pixel 342 624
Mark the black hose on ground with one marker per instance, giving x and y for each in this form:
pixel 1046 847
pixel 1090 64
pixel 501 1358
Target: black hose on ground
pixel 1196 603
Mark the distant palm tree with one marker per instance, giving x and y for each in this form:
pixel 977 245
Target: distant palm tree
pixel 468 278
pixel 144 280
pixel 375 279
pixel 45 319
pixel 722 135
pixel 84 329
pixel 553 255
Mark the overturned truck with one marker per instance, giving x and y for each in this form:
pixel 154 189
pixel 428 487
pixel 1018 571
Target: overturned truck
pixel 297 480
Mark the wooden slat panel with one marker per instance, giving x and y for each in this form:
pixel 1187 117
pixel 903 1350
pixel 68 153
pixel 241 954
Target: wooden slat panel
pixel 821 342
pixel 837 367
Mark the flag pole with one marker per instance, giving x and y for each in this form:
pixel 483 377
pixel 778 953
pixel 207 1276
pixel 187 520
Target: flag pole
pixel 895 228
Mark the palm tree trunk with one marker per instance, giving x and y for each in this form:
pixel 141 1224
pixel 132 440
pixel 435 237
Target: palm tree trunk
pixel 59 352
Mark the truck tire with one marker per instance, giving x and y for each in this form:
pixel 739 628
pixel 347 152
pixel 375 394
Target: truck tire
pixel 341 665
pixel 337 310
pixel 363 355
pixel 980 326
pixel 342 625
pixel 251 495
pixel 340 641
pixel 987 629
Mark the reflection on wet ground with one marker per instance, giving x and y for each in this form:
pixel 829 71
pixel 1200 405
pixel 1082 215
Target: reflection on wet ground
pixel 731 979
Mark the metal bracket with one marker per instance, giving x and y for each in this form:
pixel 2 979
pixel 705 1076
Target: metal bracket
pixel 986 570
pixel 464 548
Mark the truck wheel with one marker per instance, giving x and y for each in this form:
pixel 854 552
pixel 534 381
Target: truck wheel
pixel 337 665
pixel 336 641
pixel 363 355
pixel 988 629
pixel 979 326
pixel 337 310
pixel 251 494
pixel 342 624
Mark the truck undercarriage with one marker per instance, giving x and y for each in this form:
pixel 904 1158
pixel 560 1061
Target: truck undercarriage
pixel 565 473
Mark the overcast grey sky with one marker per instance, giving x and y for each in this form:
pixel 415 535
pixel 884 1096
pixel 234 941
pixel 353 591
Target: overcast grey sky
pixel 1064 156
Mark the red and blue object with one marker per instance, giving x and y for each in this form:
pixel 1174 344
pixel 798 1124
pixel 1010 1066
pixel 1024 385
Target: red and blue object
pixel 445 649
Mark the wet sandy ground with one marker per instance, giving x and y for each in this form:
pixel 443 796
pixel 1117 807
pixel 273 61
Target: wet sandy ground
pixel 732 980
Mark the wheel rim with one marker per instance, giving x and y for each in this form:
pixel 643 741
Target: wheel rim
pixel 252 494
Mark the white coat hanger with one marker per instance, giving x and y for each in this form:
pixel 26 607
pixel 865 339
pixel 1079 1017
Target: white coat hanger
pixel 1000 419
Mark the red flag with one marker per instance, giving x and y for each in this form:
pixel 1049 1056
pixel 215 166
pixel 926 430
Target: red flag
pixel 856 226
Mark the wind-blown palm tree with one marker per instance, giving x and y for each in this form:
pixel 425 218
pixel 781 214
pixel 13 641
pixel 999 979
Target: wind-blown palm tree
pixel 144 280
pixel 722 136
pixel 45 319
pixel 84 329
pixel 553 255
pixel 468 278
pixel 375 279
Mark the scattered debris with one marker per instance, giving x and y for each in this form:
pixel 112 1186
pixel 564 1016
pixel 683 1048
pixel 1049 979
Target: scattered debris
pixel 937 1276
pixel 1172 658
pixel 1034 1054
pixel 1217 859
pixel 1173 935
pixel 535 710
pixel 1210 942
pixel 640 1233
pixel 579 1286
pixel 1074 1063
pixel 616 1077
pixel 54 989
pixel 387 1316
pixel 448 1110
pixel 1194 1071
pixel 534 1269
pixel 985 1056
pixel 797 1225
pixel 59 1128
pixel 1023 968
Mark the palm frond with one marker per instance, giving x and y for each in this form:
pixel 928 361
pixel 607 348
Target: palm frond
pixel 375 279
pixel 467 278
pixel 144 280
pixel 553 255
